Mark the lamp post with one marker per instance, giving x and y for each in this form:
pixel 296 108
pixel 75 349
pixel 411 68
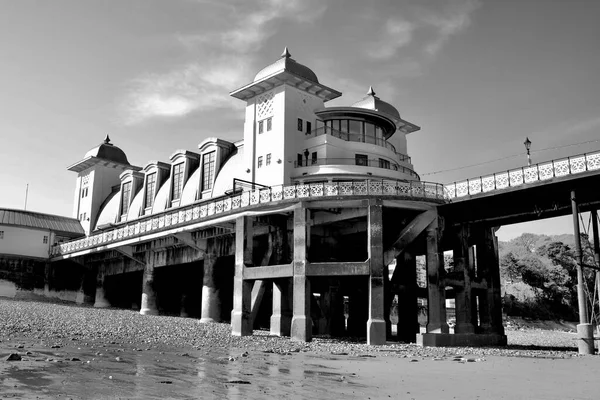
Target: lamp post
pixel 527 144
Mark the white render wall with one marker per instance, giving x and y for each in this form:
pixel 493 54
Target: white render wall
pixel 27 242
pixel 101 181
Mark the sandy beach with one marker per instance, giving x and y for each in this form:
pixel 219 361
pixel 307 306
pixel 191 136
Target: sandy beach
pixel 74 352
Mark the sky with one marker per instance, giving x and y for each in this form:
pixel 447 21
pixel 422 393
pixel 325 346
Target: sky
pixel 477 76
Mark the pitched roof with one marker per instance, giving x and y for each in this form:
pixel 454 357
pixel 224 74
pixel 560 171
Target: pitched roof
pixel 63 226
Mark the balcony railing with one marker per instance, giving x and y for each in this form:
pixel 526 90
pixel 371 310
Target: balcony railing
pixel 205 210
pixel 357 137
pixel 519 176
pixel 377 163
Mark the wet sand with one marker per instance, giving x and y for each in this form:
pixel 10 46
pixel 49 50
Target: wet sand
pixel 193 361
pixel 119 371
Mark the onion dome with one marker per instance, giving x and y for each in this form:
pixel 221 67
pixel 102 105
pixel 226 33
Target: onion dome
pixel 286 63
pixel 373 102
pixel 105 153
pixel 285 70
pixel 108 151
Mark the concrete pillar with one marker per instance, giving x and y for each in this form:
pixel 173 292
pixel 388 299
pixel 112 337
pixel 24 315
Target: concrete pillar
pixel 462 267
pixel 100 300
pixel 376 327
pixel 241 322
pixel 489 267
pixel 148 306
pixel 408 309
pixel 436 290
pixel 211 306
pixel 281 319
pixel 86 294
pixel 301 321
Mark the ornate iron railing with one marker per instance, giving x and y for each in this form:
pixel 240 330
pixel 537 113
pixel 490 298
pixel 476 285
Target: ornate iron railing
pixel 357 137
pixel 204 210
pixel 519 176
pixel 363 162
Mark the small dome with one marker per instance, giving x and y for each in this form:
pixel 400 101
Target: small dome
pixel 108 151
pixel 286 63
pixel 373 102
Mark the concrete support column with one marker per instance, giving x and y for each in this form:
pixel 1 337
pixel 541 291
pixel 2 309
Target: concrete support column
pixel 492 269
pixel 463 268
pixel 281 319
pixel 241 321
pixel 376 327
pixel 408 310
pixel 436 290
pixel 211 307
pixel 100 300
pixel 585 335
pixel 148 306
pixel 86 293
pixel 301 321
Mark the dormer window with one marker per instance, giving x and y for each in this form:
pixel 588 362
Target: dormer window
pixel 208 169
pixel 150 187
pixel 177 181
pixel 125 198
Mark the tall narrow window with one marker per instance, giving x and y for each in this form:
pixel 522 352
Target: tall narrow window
pixel 124 198
pixel 177 181
pixel 268 159
pixel 308 127
pixel 260 127
pixel 269 123
pixel 208 168
pixel 300 124
pixel 362 159
pixel 299 160
pixel 384 163
pixel 1 234
pixel 314 158
pixel 45 241
pixel 150 186
pixel 259 164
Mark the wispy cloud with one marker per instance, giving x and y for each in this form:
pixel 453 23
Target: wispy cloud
pixel 203 84
pixel 397 33
pixel 437 24
pixel 455 18
pixel 584 126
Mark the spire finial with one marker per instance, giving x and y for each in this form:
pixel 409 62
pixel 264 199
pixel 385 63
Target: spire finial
pixel 286 53
pixel 107 139
pixel 371 92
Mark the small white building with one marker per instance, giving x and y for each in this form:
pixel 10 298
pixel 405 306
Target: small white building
pixel 289 137
pixel 26 239
pixel 31 234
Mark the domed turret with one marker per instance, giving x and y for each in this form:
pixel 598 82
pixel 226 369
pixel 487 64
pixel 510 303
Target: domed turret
pixel 286 63
pixel 373 102
pixel 285 70
pixel 108 151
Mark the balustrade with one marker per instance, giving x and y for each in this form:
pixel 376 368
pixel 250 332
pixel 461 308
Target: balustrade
pixel 194 213
pixel 524 175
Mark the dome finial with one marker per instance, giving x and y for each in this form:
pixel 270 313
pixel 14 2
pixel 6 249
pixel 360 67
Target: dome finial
pixel 371 92
pixel 107 139
pixel 286 53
